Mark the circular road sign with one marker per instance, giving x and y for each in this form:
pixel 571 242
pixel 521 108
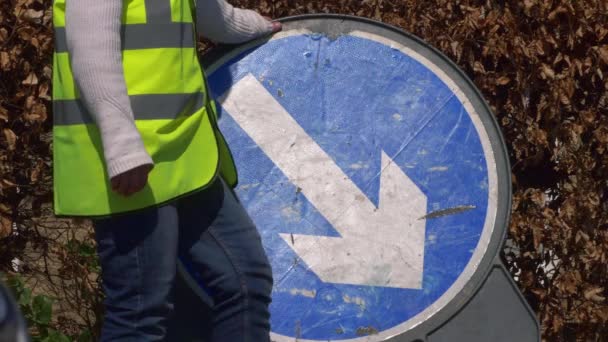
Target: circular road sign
pixel 374 171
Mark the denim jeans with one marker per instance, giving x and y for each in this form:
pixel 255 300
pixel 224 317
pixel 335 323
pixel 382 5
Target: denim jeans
pixel 138 254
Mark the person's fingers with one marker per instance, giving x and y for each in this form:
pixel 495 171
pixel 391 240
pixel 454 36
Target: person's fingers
pixel 147 168
pixel 115 182
pixel 123 183
pixel 123 188
pixel 138 179
pixel 141 179
pixel 276 26
pixel 134 181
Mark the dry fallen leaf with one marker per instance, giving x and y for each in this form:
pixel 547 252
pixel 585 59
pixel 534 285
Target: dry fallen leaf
pixel 43 91
pixel 31 79
pixel 4 59
pixel 47 72
pixel 37 113
pixel 603 53
pixel 4 208
pixel 6 227
pixel 3 34
pixel 3 114
pixel 11 139
pixel 33 15
pixel 594 294
pixel 547 72
pixel 26 33
pixel 29 102
pixel 503 80
pixel 35 173
pixel 34 41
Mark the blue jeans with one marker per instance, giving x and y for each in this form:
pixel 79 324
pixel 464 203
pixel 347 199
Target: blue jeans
pixel 138 254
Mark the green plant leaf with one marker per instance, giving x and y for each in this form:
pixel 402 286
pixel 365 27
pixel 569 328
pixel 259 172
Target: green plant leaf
pixel 55 336
pixel 42 307
pixel 85 336
pixel 15 283
pixel 25 297
pixel 87 250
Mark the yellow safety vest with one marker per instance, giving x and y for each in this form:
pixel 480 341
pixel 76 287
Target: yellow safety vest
pixel 171 105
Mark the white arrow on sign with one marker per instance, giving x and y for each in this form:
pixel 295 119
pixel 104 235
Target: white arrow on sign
pixel 378 246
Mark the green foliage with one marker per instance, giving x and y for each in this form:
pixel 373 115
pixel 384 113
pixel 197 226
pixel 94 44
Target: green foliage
pixel 85 336
pixel 54 336
pixel 85 253
pixel 38 313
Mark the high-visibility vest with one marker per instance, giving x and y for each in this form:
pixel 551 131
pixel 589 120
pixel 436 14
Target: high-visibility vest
pixel 171 106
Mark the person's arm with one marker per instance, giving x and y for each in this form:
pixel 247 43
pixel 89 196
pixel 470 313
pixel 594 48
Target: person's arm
pixel 219 21
pixel 93 40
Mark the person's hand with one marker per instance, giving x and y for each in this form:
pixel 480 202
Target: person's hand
pixel 276 26
pixel 132 181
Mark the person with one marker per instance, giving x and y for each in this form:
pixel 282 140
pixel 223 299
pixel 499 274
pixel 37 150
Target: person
pixel 136 147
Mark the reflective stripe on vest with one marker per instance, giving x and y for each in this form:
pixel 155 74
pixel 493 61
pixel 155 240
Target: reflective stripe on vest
pixel 147 107
pixel 172 111
pixel 143 36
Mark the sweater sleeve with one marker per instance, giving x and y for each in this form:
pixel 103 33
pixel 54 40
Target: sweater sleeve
pixel 221 22
pixel 93 41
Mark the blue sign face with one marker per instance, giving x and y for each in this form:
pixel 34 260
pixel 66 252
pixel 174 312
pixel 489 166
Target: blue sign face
pixel 368 175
